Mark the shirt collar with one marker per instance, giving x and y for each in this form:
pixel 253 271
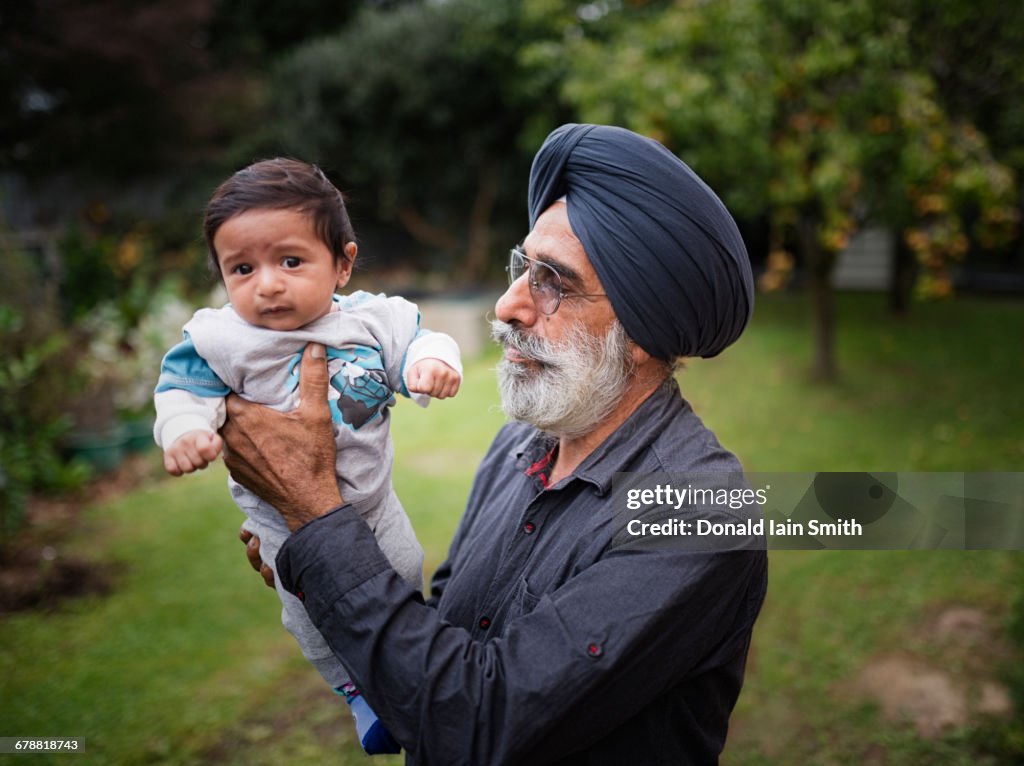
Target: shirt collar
pixel 617 452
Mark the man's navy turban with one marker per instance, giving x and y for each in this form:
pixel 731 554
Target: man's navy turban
pixel 666 250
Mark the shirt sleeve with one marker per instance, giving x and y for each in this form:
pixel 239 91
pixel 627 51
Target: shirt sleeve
pixel 588 657
pixel 189 396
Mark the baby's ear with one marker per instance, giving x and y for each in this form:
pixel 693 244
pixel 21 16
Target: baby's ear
pixel 345 263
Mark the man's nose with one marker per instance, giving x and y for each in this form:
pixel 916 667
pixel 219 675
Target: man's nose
pixel 517 303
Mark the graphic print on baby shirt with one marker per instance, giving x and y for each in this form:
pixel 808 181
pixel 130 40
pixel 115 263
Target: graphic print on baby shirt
pixel 359 391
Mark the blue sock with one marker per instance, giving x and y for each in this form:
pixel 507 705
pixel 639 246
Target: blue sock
pixel 373 735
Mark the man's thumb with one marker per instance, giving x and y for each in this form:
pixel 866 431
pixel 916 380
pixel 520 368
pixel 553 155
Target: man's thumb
pixel 313 380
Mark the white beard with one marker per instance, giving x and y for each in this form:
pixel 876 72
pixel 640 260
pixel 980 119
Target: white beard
pixel 571 385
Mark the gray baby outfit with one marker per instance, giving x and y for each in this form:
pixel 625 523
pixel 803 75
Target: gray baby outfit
pixel 371 340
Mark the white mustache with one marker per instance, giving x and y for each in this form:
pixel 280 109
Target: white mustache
pixel 529 346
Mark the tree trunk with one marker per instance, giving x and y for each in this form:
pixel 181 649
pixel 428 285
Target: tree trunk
pixel 424 232
pixel 819 264
pixel 904 274
pixel 478 248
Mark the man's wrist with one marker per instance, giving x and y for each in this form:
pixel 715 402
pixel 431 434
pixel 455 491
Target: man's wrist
pixel 327 503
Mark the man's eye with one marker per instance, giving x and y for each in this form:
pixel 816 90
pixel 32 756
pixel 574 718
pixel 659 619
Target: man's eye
pixel 242 268
pixel 291 262
pixel 545 279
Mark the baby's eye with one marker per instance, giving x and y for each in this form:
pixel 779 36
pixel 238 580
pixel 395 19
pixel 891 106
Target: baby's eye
pixel 291 262
pixel 242 268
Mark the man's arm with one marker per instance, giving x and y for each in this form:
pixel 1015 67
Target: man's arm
pixel 590 655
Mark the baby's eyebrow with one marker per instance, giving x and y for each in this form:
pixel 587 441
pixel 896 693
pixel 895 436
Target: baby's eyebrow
pixel 231 258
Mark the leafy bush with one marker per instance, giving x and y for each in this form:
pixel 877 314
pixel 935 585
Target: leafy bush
pixel 31 425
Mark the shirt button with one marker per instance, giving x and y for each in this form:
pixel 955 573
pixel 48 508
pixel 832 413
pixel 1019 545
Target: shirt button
pixel 485 623
pixel 594 650
pixel 528 527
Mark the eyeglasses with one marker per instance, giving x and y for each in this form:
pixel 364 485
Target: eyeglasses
pixel 545 283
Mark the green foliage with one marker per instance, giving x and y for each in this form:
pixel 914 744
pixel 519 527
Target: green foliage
pixel 818 115
pixel 417 110
pixel 91 86
pixel 31 425
pixel 813 110
pixel 82 344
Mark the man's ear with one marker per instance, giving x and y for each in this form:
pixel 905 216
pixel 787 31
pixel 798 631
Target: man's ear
pixel 640 357
pixel 345 263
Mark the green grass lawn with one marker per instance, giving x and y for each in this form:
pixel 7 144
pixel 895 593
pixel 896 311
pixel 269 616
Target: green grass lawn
pixel 185 661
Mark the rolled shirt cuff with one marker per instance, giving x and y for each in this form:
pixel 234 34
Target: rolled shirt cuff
pixel 328 557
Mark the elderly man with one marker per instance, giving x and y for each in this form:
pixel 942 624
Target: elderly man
pixel 543 640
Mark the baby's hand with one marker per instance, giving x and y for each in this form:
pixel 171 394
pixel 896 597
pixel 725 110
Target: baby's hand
pixel 192 451
pixel 432 377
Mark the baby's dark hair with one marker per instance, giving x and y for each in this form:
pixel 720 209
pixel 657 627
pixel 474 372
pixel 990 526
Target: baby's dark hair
pixel 281 184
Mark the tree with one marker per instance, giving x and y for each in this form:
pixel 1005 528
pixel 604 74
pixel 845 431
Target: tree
pixel 419 110
pixel 91 86
pixel 814 111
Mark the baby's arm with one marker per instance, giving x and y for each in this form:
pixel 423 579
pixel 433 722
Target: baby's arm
pixel 186 428
pixel 433 367
pixel 189 401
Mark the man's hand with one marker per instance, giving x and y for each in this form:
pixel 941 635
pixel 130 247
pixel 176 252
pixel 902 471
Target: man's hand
pixel 252 552
pixel 287 458
pixel 192 451
pixel 434 378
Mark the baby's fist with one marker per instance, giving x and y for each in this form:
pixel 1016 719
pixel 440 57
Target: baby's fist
pixel 192 451
pixel 434 378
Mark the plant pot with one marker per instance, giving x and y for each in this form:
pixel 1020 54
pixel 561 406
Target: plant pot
pixel 103 451
pixel 138 435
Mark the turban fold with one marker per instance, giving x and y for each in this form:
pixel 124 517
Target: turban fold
pixel 667 252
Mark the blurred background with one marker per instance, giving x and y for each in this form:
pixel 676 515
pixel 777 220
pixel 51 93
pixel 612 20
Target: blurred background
pixel 872 153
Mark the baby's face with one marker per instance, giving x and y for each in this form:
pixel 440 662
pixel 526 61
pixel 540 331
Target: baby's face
pixel 277 272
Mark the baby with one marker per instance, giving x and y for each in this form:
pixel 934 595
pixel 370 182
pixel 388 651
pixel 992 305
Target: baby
pixel 279 236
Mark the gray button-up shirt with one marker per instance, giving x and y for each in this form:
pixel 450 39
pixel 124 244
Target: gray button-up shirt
pixel 542 641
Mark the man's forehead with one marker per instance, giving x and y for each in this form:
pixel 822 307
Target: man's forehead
pixel 553 241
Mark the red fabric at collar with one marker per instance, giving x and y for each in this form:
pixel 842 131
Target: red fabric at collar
pixel 541 469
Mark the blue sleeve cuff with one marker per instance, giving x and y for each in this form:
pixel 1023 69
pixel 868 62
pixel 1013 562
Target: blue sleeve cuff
pixel 183 369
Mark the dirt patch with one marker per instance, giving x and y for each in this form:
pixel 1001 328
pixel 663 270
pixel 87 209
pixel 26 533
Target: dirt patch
pixel 40 578
pixel 35 570
pixel 906 689
pixel 949 689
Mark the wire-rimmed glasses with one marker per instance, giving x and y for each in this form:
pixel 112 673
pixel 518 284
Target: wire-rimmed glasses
pixel 545 282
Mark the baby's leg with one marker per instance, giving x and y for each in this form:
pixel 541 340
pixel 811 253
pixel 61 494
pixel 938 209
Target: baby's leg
pixel 397 540
pixel 266 523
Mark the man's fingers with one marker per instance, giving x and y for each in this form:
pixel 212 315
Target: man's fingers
pixel 252 553
pixel 313 380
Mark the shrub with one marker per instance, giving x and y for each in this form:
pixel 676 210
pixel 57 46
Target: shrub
pixel 31 424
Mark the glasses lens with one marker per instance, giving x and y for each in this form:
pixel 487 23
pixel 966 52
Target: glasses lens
pixel 545 284
pixel 516 264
